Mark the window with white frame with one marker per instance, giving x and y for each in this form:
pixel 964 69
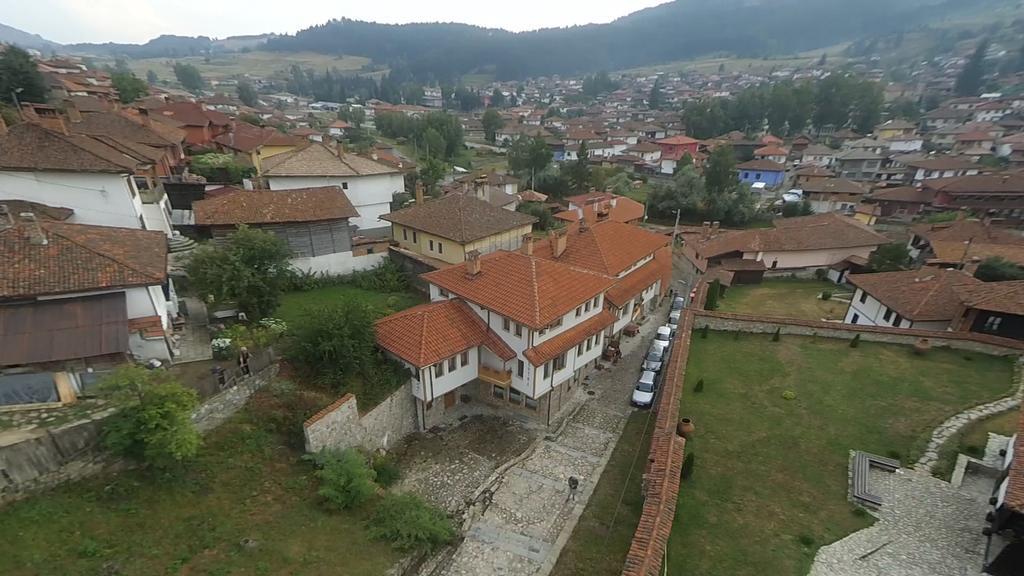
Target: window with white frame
pixel 439 369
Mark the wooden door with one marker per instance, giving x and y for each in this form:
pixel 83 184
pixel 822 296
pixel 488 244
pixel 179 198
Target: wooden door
pixel 449 399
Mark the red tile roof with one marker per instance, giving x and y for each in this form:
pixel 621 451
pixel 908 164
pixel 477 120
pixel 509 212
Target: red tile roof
pixel 529 290
pixel 817 232
pixel 677 141
pixel 624 210
pixel 272 207
pixel 920 295
pixel 606 247
pixel 763 165
pixel 462 218
pixel 192 114
pixel 426 334
pixel 1002 297
pixel 79 258
pixel 31 147
pixel 636 282
pixel 556 345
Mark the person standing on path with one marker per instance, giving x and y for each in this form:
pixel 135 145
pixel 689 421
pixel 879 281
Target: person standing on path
pixel 574 484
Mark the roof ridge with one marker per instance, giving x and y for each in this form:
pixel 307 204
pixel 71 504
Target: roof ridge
pixel 535 285
pixel 423 333
pixel 50 228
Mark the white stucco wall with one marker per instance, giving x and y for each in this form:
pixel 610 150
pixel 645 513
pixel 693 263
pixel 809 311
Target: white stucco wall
pixel 435 386
pixel 807 258
pixel 371 195
pixel 871 312
pixel 338 263
pixel 99 199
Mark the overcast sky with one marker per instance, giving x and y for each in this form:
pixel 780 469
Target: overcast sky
pixel 70 21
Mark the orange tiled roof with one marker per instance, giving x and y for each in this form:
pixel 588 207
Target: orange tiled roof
pixel 274 207
pixel 530 290
pixel 921 295
pixel 548 349
pixel 607 247
pixel 426 334
pixel 636 282
pixel 624 210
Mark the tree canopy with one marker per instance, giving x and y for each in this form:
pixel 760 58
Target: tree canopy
pixel 972 77
pixel 247 93
pixel 20 76
pixel 129 87
pixel 889 258
pixel 998 269
pixel 528 156
pixel 492 122
pixel 188 76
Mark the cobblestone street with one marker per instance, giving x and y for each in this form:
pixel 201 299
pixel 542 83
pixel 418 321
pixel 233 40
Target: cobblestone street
pixel 529 516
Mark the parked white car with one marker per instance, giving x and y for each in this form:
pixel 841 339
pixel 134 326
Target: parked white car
pixel 643 394
pixel 663 337
pixel 653 360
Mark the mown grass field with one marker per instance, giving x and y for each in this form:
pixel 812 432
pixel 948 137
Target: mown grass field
pixel 255 63
pixel 785 297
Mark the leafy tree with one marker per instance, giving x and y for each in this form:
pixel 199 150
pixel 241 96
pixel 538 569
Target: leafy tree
pixel 431 172
pixel 545 219
pixel 251 269
pixel 188 76
pixel 791 209
pixel 579 170
pixel 492 122
pixel 247 94
pixel 686 194
pixel 600 83
pixel 346 478
pixel 527 156
pixel 655 100
pixel 19 75
pixel 353 115
pixel 998 269
pixel 220 168
pixel 832 102
pixel 409 523
pixel 972 77
pixel 153 421
pixel 129 87
pixel 867 106
pixel 497 98
pixel 889 258
pixel 151 77
pixel 905 108
pixel 714 291
pixel 250 119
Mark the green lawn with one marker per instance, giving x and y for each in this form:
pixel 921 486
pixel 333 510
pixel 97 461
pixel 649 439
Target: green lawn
pixel 786 297
pixel 601 539
pixel 770 476
pixel 972 440
pixel 249 482
pixel 295 304
pixel 256 63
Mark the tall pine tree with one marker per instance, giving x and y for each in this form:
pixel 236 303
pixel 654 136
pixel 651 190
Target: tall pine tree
pixel 972 77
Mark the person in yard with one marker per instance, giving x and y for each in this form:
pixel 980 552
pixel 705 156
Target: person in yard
pixel 243 361
pixel 574 484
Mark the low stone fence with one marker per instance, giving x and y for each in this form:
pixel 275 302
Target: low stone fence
pixel 340 425
pixel 969 341
pixel 41 458
pixel 665 459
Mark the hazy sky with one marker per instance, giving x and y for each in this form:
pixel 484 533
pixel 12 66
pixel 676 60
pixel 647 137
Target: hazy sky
pixel 69 21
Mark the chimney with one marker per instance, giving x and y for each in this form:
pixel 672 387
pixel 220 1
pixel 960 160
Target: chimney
pixel 144 114
pixel 419 192
pixel 34 230
pixel 714 227
pixel 74 114
pixel 558 242
pixel 373 155
pixel 613 201
pixel 340 148
pixel 527 244
pixel 472 263
pixel 705 231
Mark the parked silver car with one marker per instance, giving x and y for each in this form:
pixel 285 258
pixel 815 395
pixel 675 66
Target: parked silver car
pixel 654 358
pixel 643 394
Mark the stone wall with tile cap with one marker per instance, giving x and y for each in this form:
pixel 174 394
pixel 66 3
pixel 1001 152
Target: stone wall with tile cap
pixel 339 425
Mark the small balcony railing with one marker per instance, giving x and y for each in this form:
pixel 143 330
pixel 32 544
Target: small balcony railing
pixel 499 377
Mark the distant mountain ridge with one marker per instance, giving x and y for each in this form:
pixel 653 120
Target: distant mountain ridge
pixel 11 35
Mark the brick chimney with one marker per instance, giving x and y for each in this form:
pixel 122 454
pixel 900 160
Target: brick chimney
pixel 714 227
pixel 473 263
pixel 419 192
pixel 559 240
pixel 74 114
pixel 33 231
pixel 339 148
pixel 146 120
pixel 705 232
pixel 527 246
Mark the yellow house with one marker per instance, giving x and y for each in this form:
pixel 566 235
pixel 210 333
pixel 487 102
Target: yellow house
pixel 447 228
pixel 255 143
pixel 895 128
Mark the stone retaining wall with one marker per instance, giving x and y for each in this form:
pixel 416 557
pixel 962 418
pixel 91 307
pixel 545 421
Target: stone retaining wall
pixel 340 426
pixel 41 458
pixel 969 341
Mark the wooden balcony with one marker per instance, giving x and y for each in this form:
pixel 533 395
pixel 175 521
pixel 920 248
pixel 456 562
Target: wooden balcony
pixel 499 377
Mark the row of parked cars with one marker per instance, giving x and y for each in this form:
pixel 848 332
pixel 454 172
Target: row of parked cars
pixel 657 356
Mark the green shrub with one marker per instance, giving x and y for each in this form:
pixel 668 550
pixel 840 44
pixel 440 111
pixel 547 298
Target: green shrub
pixel 704 331
pixel 789 395
pixel 806 540
pixel 826 295
pixel 686 472
pixel 777 335
pixel 346 479
pixel 821 274
pixel 153 422
pixel 699 387
pixel 409 523
pixel 386 469
pixel 856 341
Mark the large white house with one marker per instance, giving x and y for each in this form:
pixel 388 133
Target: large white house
pixel 369 185
pixel 39 164
pixel 924 299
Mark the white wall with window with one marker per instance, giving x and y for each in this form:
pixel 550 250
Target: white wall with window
pixel 866 310
pixel 447 375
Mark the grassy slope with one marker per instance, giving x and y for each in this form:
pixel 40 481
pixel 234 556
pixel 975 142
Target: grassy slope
pixel 784 297
pixel 972 440
pixel 295 304
pixel 248 483
pixel 256 63
pixel 770 478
